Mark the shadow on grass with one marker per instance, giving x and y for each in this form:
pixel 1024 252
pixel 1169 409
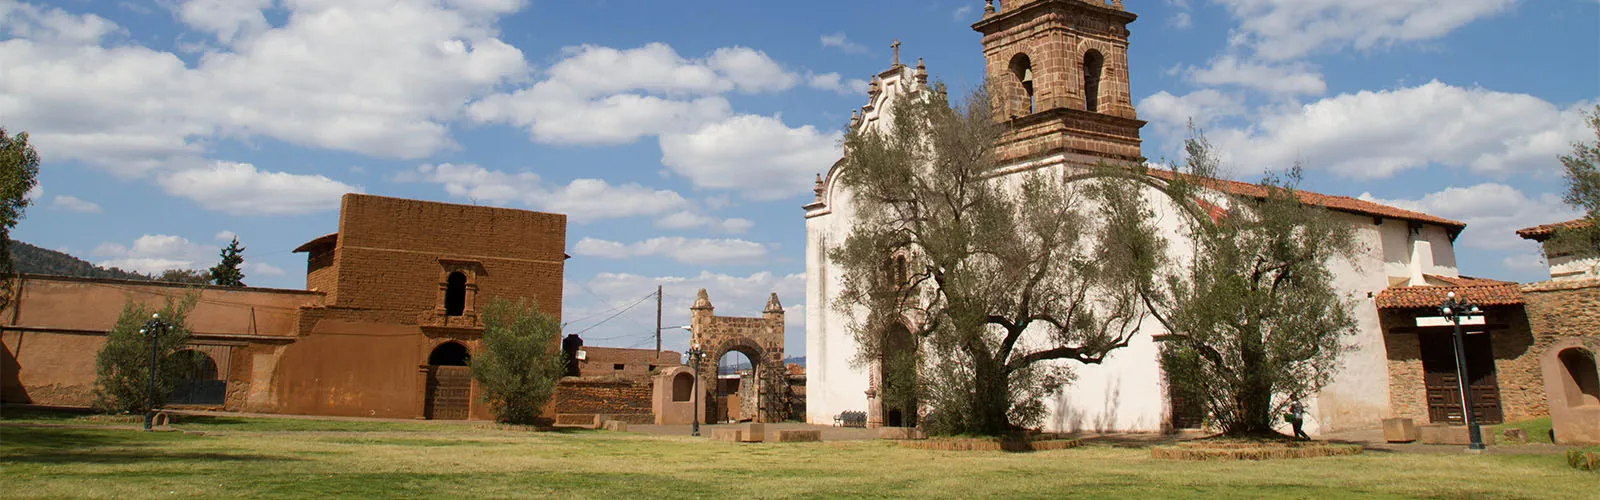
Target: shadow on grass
pixel 45 445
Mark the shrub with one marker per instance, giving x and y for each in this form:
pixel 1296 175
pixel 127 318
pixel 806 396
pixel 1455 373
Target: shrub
pixel 519 364
pixel 122 368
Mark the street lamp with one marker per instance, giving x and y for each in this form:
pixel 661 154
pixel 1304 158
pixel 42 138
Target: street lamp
pixel 154 329
pixel 695 353
pixel 1454 309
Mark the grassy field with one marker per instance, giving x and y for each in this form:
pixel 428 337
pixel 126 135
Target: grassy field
pixel 288 459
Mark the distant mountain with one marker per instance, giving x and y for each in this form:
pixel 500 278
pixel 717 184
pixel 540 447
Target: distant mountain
pixel 30 259
pixel 799 360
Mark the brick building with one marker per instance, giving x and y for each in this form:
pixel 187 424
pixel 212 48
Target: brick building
pixel 383 329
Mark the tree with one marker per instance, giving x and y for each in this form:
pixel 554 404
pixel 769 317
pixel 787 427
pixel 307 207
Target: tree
pixel 1582 173
pixel 19 171
pixel 1255 319
pixel 122 368
pixel 228 272
pixel 986 260
pixel 189 276
pixel 519 363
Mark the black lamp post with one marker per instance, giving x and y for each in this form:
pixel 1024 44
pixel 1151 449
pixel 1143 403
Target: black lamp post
pixel 154 329
pixel 695 353
pixel 1453 309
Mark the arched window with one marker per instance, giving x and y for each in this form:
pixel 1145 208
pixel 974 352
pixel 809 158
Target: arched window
pixel 1022 69
pixel 1093 63
pixel 455 294
pixel 448 354
pixel 682 387
pixel 1581 384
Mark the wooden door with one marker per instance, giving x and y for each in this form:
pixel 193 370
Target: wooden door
pixel 1444 389
pixel 449 392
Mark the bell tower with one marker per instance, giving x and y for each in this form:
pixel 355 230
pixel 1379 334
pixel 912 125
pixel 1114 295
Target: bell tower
pixel 1058 76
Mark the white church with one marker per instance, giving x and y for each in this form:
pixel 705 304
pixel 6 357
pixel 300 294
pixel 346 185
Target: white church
pixel 1061 67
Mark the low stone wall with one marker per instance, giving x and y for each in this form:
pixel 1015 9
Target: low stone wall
pixel 604 396
pixel 1555 310
pixel 1251 451
pixel 990 444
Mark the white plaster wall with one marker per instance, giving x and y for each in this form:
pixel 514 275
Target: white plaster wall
pixel 1566 267
pixel 1359 395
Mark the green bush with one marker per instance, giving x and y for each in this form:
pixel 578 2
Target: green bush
pixel 122 369
pixel 1584 459
pixel 519 363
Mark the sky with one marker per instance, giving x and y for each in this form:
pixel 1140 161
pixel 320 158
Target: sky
pixel 681 138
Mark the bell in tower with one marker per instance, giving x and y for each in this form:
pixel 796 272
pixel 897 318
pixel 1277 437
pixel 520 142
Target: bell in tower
pixel 1057 71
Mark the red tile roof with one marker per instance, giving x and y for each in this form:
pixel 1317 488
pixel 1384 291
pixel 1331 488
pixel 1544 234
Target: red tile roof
pixel 1332 202
pixel 1541 232
pixel 1478 291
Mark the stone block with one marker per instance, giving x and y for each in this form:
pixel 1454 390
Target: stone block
pixel 797 436
pixel 900 433
pixel 1515 436
pixel 753 433
pixel 1399 430
pixel 616 425
pixel 1449 434
pixel 729 435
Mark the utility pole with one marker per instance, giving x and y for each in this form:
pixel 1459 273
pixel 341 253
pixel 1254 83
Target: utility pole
pixel 658 321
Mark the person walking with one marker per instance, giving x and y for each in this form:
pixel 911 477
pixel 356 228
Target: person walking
pixel 1297 413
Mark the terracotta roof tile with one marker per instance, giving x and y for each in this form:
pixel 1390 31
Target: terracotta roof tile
pixel 1540 232
pixel 1332 202
pixel 1479 291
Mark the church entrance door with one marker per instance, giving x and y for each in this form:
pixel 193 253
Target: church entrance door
pixel 1444 390
pixel 449 390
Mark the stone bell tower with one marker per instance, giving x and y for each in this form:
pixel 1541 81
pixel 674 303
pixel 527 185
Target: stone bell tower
pixel 1058 75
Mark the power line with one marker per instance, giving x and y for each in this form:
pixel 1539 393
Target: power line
pixel 619 313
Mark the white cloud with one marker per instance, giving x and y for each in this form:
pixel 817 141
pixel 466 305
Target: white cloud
pixel 843 43
pixel 1493 212
pixel 1181 21
pixel 1289 29
pixel 690 220
pixel 835 83
pixel 241 189
pixel 74 204
pixel 697 251
pixel 34 193
pixel 1276 78
pixel 1376 134
pixel 383 79
pixel 262 269
pixel 602 95
pixel 757 155
pixel 154 253
pixel 582 199
pixel 225 235
pixel 1169 114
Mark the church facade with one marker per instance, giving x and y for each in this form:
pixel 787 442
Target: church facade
pixel 1058 73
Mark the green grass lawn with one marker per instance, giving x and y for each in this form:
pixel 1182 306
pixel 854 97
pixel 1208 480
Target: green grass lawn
pixel 1538 429
pixel 286 458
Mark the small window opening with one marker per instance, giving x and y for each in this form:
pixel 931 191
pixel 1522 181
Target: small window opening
pixel 455 294
pixel 618 366
pixel 682 387
pixel 652 367
pixel 1093 63
pixel 1022 68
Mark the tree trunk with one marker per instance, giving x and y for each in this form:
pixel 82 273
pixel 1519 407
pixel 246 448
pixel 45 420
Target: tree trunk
pixel 1254 400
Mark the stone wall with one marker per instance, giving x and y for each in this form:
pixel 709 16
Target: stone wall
pixel 1555 310
pixel 603 395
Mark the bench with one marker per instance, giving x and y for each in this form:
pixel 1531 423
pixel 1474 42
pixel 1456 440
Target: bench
pixel 850 419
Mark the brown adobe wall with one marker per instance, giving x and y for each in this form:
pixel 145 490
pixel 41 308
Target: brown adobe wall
pixel 637 363
pixel 605 395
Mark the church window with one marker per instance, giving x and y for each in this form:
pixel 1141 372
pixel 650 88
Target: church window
pixel 455 294
pixel 1093 64
pixel 1022 69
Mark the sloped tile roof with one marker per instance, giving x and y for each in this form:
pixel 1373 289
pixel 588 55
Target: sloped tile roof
pixel 1540 232
pixel 1332 202
pixel 1480 292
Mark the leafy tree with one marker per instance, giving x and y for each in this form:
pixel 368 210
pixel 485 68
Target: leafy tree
pixel 1582 173
pixel 19 170
pixel 228 272
pixel 122 369
pixel 986 260
pixel 519 363
pixel 189 276
pixel 1255 319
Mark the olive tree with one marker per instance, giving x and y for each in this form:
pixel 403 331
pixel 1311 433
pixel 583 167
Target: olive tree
pixel 122 367
pixel 518 365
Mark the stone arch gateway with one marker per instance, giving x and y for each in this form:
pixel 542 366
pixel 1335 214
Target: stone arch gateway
pixel 760 339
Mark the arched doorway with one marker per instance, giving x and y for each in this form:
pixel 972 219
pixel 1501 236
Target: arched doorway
pixel 198 381
pixel 448 394
pixel 898 391
pixel 737 391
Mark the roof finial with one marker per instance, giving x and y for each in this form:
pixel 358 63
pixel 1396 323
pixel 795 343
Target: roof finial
pixel 989 7
pixel 896 47
pixel 922 72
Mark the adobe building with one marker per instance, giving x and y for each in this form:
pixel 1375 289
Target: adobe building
pixel 384 328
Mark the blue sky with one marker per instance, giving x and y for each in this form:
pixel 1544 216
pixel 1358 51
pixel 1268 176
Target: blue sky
pixel 682 137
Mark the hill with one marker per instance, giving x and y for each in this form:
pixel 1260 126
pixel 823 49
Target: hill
pixel 30 259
